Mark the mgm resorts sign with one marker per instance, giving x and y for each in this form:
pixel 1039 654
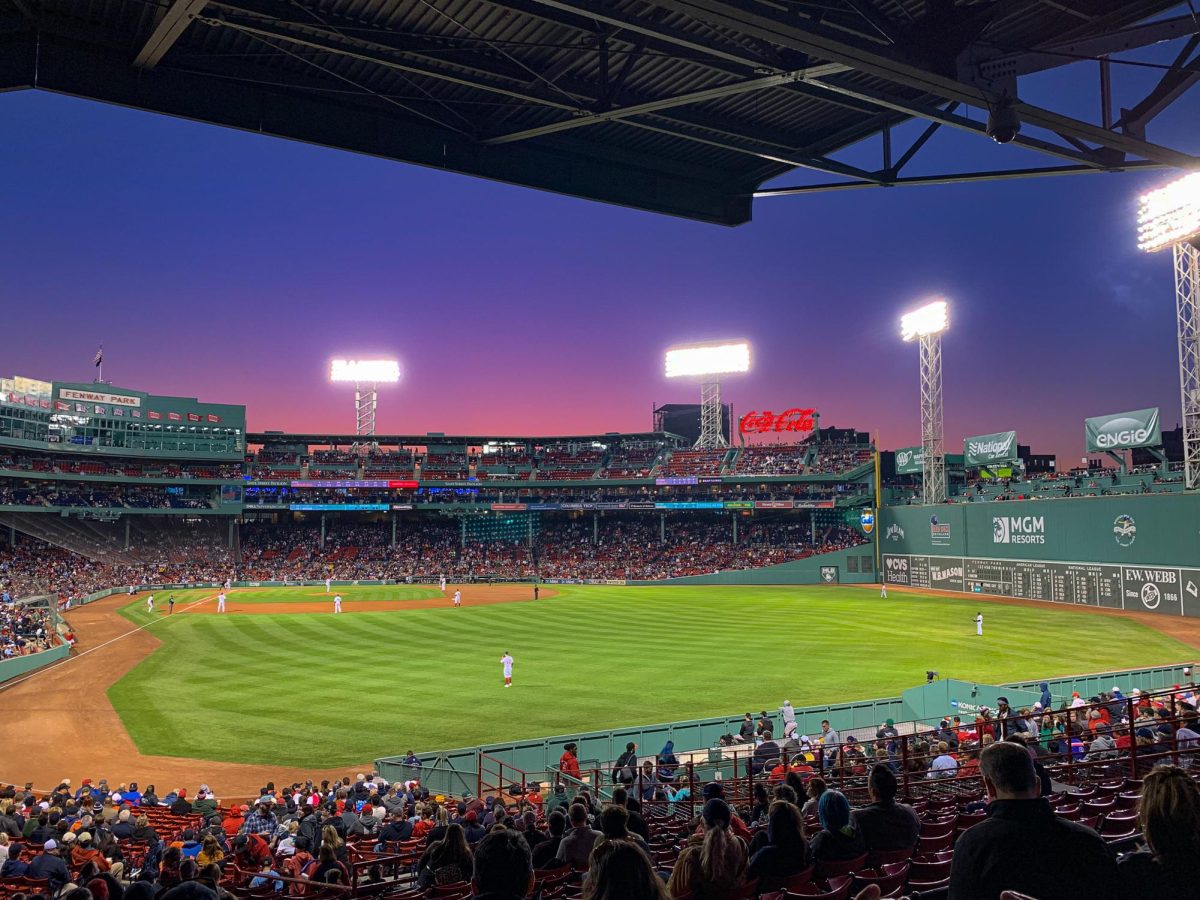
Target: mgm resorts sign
pixel 1018 529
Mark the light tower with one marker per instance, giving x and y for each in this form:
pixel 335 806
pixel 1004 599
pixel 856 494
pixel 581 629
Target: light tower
pixel 926 325
pixel 708 361
pixel 366 375
pixel 1170 217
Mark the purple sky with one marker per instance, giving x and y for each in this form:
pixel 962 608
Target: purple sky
pixel 233 266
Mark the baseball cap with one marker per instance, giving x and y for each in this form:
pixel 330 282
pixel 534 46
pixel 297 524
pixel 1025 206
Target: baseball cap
pixel 84 837
pixel 51 844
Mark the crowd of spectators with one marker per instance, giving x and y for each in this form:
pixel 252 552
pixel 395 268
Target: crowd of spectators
pixel 128 468
pixel 803 826
pixel 99 495
pixel 24 629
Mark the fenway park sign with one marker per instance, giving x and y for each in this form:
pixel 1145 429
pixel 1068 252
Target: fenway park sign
pixel 765 422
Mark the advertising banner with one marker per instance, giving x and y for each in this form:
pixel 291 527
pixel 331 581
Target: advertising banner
pixel 1123 431
pixel 988 449
pixel 910 460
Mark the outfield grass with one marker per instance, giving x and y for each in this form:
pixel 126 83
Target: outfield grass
pixel 318 689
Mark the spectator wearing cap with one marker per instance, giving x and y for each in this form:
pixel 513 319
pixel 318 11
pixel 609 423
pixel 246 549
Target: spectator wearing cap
pixel 180 806
pixel 84 852
pixel 745 734
pixel 261 820
pixel 396 828
pixel 716 867
pixel 205 804
pixel 1023 846
pixel 233 822
pixel 49 865
pixel 472 829
pixel 885 824
pixel 838 838
pixel 249 850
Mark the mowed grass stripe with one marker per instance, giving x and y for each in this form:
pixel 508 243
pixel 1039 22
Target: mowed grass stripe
pixel 281 689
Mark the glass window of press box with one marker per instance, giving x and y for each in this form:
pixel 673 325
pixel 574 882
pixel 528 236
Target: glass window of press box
pixel 27 424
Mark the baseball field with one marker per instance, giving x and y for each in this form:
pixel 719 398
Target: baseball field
pixel 280 680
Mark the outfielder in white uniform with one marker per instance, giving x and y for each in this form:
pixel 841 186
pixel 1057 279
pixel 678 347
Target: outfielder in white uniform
pixel 337 603
pixel 150 604
pixel 507 661
pixel 327 582
pixel 221 602
pixel 443 584
pixel 458 598
pixel 979 623
pixel 883 590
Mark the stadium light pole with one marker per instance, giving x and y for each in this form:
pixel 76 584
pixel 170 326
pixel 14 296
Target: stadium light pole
pixel 926 325
pixel 1170 217
pixel 708 361
pixel 366 375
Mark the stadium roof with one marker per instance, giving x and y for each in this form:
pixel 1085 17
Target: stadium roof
pixel 423 440
pixel 683 107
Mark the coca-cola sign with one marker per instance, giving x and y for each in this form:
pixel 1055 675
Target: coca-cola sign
pixel 794 419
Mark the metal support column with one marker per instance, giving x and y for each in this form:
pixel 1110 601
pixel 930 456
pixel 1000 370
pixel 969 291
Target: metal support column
pixel 712 437
pixel 932 442
pixel 126 533
pixel 393 531
pixel 662 528
pixel 735 536
pixel 462 533
pixel 366 399
pixel 322 531
pixel 1187 315
pixel 595 528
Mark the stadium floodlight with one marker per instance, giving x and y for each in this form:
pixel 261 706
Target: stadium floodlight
pixel 365 371
pixel 708 361
pixel 927 324
pixel 933 318
pixel 366 375
pixel 1170 217
pixel 720 358
pixel 1169 214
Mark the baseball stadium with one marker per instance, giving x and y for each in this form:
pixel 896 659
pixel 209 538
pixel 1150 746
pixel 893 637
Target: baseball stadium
pixel 751 652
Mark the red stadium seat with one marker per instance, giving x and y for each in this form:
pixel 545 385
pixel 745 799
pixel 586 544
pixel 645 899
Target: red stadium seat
pixel 831 868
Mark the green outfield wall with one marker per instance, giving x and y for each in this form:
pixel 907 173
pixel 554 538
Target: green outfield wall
pixel 853 566
pixel 1132 552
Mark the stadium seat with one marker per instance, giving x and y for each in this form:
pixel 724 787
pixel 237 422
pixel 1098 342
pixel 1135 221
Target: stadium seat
pixel 936 843
pixel 795 882
pixel 834 889
pixel 831 868
pixel 930 872
pixel 889 879
pixel 877 858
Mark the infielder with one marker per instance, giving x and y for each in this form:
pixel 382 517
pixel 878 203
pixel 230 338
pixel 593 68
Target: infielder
pixel 979 623
pixel 458 598
pixel 221 602
pixel 507 661
pixel 337 603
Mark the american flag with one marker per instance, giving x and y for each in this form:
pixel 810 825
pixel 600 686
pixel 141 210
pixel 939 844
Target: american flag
pixel 99 357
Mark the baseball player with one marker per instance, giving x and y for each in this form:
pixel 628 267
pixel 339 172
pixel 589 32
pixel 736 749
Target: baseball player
pixel 150 604
pixel 443 584
pixel 979 623
pixel 337 603
pixel 458 598
pixel 328 582
pixel 883 590
pixel 507 661
pixel 221 602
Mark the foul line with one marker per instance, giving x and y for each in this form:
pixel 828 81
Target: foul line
pixel 55 665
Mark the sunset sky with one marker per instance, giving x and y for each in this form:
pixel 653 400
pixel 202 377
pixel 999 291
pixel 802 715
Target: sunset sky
pixel 233 267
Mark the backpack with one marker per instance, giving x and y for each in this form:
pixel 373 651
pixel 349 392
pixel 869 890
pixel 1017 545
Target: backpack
pixel 624 772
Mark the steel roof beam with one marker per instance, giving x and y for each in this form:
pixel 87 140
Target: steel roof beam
pixel 955 178
pixel 175 21
pixel 883 63
pixel 653 106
